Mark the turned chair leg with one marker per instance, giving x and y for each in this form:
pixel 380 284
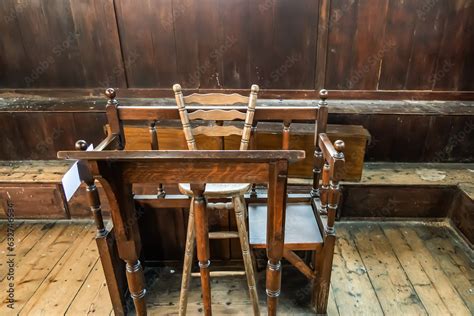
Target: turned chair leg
pixel 202 246
pixel 136 285
pixel 321 284
pixel 240 211
pixel 188 261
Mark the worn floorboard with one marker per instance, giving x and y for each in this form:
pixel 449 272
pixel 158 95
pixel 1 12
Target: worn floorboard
pixel 390 268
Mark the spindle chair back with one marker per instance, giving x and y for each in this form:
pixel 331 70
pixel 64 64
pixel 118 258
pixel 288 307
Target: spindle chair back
pixel 217 111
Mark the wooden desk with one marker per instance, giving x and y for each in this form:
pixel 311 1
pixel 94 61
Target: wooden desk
pixel 118 170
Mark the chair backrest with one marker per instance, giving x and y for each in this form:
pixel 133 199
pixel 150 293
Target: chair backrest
pixel 215 110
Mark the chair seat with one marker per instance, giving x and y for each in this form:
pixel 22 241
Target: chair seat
pixel 216 190
pixel 301 229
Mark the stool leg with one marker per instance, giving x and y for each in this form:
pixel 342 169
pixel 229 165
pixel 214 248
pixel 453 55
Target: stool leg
pixel 188 261
pixel 240 210
pixel 202 245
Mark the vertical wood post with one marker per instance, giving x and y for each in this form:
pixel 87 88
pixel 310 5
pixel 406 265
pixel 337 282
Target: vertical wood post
pixel 253 146
pixel 183 113
pixel 155 146
pixel 275 231
pixel 286 135
pixel 244 142
pixel 320 127
pixel 202 244
pixel 113 120
pixel 323 259
pixel 325 188
pixel 112 266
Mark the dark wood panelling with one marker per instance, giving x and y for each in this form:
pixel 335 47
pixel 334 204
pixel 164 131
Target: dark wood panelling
pixel 32 136
pixel 148 42
pixel 398 39
pixel 456 48
pixel 292 47
pixel 429 132
pixel 397 201
pixel 46 198
pixel 342 28
pixel 427 36
pixel 292 57
pixel 399 45
pixel 369 45
pixel 462 215
pixel 59 44
pixel 184 21
pixel 236 30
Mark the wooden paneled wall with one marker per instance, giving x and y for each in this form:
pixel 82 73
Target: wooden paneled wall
pixel 293 46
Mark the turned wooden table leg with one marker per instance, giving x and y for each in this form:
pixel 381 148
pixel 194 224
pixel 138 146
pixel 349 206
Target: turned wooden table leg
pixel 275 231
pixel 188 261
pixel 202 245
pixel 107 251
pixel 136 285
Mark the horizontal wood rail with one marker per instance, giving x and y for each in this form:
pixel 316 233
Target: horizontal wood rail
pixel 262 113
pixel 264 93
pixel 204 155
pixel 215 98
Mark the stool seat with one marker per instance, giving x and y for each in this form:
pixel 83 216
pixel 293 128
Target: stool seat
pixel 217 190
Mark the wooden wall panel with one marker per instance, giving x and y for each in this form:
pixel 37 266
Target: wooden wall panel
pixel 341 28
pixel 427 37
pixel 369 45
pixel 462 215
pixel 293 57
pixel 148 42
pixel 400 45
pixel 59 44
pixel 358 45
pixel 398 41
pixel 236 30
pixel 184 22
pixel 457 47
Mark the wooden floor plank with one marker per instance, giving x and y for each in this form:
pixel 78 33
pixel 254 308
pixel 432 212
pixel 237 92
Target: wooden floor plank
pixel 39 261
pixel 379 268
pixel 440 281
pixel 26 236
pixel 394 290
pixel 352 289
pixel 332 307
pixel 3 230
pixel 68 275
pixel 93 297
pixel 452 260
pixel 410 261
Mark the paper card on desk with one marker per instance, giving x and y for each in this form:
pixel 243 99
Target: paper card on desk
pixel 71 180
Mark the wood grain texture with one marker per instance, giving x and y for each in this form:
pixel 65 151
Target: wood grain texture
pixel 353 271
pixel 210 44
pixel 215 99
pixel 217 131
pixel 217 115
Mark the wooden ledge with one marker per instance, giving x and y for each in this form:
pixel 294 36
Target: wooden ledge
pixel 205 155
pixel 47 101
pixel 33 171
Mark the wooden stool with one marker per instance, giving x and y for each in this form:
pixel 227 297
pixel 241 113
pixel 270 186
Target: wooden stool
pixel 198 213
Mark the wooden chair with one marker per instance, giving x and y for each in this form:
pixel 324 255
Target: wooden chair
pixel 309 223
pixel 217 113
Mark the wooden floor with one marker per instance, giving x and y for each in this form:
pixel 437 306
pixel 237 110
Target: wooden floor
pixel 380 268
